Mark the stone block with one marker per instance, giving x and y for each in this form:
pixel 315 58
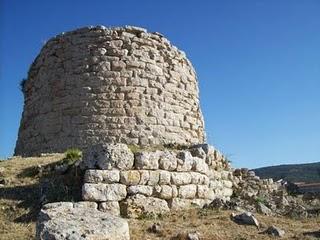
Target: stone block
pixel 101 176
pixel 103 192
pixel 137 205
pixel 130 177
pixel 188 191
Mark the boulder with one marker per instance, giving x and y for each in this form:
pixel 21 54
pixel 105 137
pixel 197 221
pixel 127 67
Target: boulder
pixel 274 231
pixel 245 218
pixel 64 220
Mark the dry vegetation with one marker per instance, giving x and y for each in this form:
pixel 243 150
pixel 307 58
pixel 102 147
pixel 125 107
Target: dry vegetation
pixel 20 201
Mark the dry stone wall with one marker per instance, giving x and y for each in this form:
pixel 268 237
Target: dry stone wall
pixel 116 85
pixel 154 182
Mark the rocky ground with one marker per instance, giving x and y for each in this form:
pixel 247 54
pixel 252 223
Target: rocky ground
pixel 27 184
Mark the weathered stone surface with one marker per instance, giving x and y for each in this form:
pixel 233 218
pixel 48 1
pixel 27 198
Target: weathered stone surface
pixel 185 161
pixel 140 189
pixel 168 161
pixel 188 191
pixel 103 192
pixel 181 204
pixel 109 90
pixel 138 204
pixel 180 178
pixel 60 221
pixel 108 156
pixel 102 176
pixel 111 207
pixel 147 160
pixel 131 177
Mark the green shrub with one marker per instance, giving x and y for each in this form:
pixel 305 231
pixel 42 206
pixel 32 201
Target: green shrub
pixel 72 155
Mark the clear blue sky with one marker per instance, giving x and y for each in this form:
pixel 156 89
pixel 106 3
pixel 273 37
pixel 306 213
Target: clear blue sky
pixel 258 65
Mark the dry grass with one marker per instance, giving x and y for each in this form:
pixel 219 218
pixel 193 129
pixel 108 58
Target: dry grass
pixel 19 206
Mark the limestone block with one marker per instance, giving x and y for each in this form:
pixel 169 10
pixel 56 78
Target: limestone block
pixel 85 204
pixel 144 177
pixel 198 178
pixel 108 156
pixel 182 204
pixel 164 177
pixel 200 165
pixel 147 160
pixel 103 192
pixel 185 161
pixel 140 189
pixel 130 177
pixel 111 207
pixel 203 191
pixel 65 221
pixel 154 177
pixel 101 176
pixel 180 178
pixel 137 205
pixel 187 191
pixel 168 161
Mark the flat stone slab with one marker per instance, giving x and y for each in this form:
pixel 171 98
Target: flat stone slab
pixel 66 220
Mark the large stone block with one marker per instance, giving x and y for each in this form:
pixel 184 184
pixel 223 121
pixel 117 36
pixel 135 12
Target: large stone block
pixel 102 176
pixel 60 221
pixel 137 205
pixel 103 192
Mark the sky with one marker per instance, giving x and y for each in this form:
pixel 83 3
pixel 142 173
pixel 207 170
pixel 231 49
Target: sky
pixel 257 62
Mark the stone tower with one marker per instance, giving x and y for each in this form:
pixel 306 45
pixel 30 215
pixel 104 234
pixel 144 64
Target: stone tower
pixel 118 85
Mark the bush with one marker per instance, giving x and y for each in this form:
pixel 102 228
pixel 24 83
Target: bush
pixel 72 155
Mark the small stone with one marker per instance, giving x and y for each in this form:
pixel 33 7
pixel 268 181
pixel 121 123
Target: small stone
pixel 263 209
pixel 155 228
pixel 193 236
pixel 274 231
pixel 246 218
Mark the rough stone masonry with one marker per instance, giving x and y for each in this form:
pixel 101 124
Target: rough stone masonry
pixel 116 85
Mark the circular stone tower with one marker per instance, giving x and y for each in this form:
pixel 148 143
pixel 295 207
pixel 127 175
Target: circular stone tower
pixel 118 85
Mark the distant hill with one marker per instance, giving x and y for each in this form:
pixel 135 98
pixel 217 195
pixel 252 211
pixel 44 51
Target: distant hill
pixel 309 172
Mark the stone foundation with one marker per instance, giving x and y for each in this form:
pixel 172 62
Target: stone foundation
pixel 154 182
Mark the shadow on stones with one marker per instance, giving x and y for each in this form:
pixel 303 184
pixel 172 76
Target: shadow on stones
pixel 52 186
pixel 315 234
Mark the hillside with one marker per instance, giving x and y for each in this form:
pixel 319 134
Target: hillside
pixel 309 172
pixel 21 199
